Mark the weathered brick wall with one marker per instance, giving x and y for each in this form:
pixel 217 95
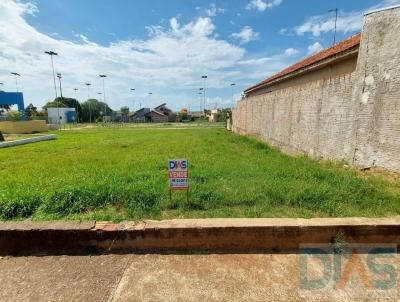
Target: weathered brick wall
pixel 314 118
pixel 355 117
pixel 377 92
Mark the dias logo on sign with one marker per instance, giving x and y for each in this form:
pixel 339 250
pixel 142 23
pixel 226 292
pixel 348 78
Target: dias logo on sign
pixel 178 174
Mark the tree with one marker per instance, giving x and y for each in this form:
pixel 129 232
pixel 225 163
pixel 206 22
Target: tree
pixel 94 110
pixel 14 115
pixel 31 111
pixel 223 114
pixel 125 113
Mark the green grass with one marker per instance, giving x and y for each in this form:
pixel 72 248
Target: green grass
pixel 120 173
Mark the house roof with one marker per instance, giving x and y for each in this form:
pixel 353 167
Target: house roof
pixel 344 46
pixel 156 112
pixel 162 105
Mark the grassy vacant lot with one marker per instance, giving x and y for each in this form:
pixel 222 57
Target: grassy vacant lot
pixel 120 173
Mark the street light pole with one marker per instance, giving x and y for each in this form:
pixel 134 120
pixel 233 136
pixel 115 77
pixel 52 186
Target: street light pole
pixel 76 104
pixel 335 10
pixel 58 105
pixel 200 93
pixel 59 79
pixel 90 111
pixel 133 99
pixel 16 74
pixel 233 101
pixel 150 93
pixel 103 76
pixel 2 84
pixel 51 54
pixel 204 77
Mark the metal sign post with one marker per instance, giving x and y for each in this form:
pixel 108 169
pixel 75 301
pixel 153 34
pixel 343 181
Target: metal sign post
pixel 178 176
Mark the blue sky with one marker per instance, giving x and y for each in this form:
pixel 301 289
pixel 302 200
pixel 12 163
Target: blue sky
pixel 164 47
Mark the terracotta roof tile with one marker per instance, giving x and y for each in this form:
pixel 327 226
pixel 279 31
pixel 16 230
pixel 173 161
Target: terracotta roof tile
pixel 340 47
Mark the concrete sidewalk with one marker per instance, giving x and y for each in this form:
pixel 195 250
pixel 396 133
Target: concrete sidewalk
pixel 192 260
pixel 155 277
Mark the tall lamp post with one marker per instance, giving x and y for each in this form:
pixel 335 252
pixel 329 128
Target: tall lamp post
pixel 58 105
pixel 335 10
pixel 200 93
pixel 88 93
pixel 1 87
pixel 103 76
pixel 76 104
pixel 133 99
pixel 51 54
pixel 204 77
pixel 233 101
pixel 16 74
pixel 150 93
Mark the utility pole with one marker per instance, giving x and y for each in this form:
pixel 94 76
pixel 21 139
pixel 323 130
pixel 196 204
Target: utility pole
pixel 16 74
pixel 90 111
pixel 51 54
pixel 336 11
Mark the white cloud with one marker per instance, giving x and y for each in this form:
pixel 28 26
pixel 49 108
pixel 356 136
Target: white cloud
pixel 246 34
pixel 258 61
pixel 314 48
pixel 174 24
pixel 262 5
pixel 291 52
pixel 213 10
pixel 173 56
pixel 347 21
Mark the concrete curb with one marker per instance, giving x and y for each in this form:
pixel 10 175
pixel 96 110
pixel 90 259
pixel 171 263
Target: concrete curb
pixel 28 140
pixel 191 235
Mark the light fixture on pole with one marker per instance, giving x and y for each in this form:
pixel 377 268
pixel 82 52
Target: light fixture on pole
pixel 16 74
pixel 336 11
pixel 51 54
pixel 90 111
pixel 233 101
pixel 59 79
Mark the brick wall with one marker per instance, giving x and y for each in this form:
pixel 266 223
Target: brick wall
pixel 355 118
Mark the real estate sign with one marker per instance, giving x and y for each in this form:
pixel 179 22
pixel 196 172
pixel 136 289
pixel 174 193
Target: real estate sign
pixel 178 174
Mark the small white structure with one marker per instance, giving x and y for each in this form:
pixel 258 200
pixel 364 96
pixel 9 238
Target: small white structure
pixel 61 115
pixel 213 115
